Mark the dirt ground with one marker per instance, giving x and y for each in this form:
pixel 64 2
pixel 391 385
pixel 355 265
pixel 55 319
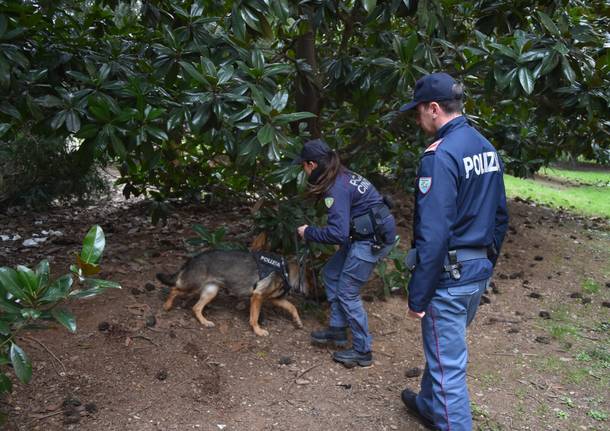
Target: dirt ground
pixel 539 347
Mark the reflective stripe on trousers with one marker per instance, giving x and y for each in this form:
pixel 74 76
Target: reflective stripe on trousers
pixel 443 396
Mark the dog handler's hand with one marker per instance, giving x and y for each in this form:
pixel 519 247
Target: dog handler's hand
pixel 415 314
pixel 301 230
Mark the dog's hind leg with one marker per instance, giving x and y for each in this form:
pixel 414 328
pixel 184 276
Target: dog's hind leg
pixel 208 293
pixel 290 308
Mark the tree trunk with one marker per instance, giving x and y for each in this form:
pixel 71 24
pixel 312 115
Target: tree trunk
pixel 307 94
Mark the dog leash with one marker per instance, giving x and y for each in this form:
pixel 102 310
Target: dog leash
pixel 302 262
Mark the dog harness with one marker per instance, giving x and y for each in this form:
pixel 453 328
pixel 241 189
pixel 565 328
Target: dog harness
pixel 268 263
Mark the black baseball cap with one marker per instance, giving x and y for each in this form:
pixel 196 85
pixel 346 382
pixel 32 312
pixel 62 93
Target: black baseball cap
pixel 315 150
pixel 434 87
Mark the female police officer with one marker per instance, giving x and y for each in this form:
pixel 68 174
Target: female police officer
pixel 361 224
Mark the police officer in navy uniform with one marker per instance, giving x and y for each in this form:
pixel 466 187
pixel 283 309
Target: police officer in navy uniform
pixel 360 222
pixel 459 225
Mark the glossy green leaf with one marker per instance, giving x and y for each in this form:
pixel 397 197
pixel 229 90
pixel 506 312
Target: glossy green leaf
pixel 93 245
pixel 265 134
pixel 568 72
pixel 59 289
pixel 369 5
pixel 10 110
pixel 9 282
pixel 58 119
pixel 258 60
pixel 65 317
pixel 225 74
pixel 72 121
pixel 548 23
pixel 28 280
pixel 250 18
pixel 279 101
pixel 8 306
pixel 49 101
pixel 4 127
pixel 193 72
pixel 5 328
pixel 21 363
pixel 408 48
pixel 259 100
pixel 238 24
pixel 6 385
pixel 295 116
pixel 526 79
pixel 96 286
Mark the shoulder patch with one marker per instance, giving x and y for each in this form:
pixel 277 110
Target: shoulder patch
pixel 329 202
pixel 424 184
pixel 432 147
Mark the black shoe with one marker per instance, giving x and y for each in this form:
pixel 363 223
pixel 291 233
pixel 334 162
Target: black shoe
pixel 408 397
pixel 350 358
pixel 337 336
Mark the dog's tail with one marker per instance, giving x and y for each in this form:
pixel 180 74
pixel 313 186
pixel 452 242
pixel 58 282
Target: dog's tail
pixel 168 279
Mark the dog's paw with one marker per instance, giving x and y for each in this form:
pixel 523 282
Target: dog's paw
pixel 208 324
pixel 261 332
pixel 298 324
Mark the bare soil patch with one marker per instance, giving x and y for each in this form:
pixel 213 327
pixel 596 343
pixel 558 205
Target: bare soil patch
pixel 132 366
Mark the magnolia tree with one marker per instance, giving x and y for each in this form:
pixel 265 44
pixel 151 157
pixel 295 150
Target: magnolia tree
pixel 217 96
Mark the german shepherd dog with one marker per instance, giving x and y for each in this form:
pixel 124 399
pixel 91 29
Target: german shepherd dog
pixel 237 271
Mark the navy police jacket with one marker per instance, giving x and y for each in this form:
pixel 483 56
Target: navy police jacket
pixel 350 196
pixel 460 203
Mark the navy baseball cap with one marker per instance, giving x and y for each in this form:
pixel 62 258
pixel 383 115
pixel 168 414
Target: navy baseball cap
pixel 315 150
pixel 434 87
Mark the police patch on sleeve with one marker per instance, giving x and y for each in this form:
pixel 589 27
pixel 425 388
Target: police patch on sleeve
pixel 424 184
pixel 329 202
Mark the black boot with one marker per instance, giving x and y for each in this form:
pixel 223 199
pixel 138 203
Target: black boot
pixel 350 358
pixel 408 398
pixel 332 334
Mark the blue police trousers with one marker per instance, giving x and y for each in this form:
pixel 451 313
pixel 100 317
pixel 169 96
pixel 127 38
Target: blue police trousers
pixel 344 275
pixel 443 397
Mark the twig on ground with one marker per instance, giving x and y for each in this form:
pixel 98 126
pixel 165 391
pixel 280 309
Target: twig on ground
pixel 141 410
pixel 534 398
pixel 383 353
pixel 512 354
pixel 306 371
pixel 143 337
pixel 48 415
pixel 301 375
pixel 50 352
pixel 589 338
pixel 383 334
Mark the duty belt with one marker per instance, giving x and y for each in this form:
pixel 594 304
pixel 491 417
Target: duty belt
pixel 368 226
pixel 453 259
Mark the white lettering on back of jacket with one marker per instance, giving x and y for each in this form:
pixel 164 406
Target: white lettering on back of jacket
pixel 481 163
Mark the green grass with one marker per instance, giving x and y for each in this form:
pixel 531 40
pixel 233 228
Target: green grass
pixel 587 200
pixel 592 178
pixel 590 286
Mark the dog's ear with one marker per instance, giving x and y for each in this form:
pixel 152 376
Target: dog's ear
pixel 260 242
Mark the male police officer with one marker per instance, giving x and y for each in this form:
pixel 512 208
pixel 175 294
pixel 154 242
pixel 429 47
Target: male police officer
pixel 460 217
